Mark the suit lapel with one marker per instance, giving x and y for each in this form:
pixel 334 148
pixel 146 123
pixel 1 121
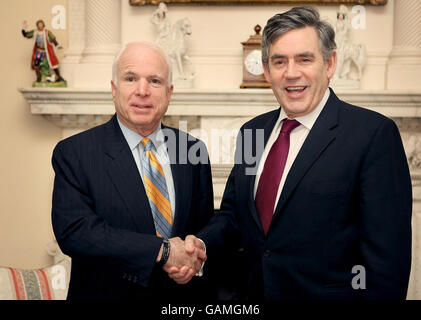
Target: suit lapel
pixel 124 174
pixel 318 139
pixel 267 127
pixel 182 177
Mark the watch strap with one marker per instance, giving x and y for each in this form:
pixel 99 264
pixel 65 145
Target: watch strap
pixel 165 252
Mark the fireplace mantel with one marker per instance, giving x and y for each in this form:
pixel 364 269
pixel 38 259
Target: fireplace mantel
pixel 211 102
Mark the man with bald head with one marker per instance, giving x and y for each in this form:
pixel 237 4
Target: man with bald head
pixel 125 195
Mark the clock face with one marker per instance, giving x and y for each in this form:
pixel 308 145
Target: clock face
pixel 253 63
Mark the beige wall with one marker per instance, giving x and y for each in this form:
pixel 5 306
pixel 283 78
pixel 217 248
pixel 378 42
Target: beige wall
pixel 26 143
pixel 217 33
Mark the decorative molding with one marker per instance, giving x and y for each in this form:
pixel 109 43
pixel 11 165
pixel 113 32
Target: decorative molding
pixel 76 16
pixel 220 173
pixel 214 102
pixel 407 21
pixel 408 124
pixel 411 138
pixel 81 121
pixel 218 60
pixel 103 25
pixel 225 57
pixel 192 122
pixel 405 59
pixel 258 2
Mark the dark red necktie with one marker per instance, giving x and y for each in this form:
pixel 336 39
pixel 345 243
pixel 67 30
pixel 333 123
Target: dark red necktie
pixel 272 173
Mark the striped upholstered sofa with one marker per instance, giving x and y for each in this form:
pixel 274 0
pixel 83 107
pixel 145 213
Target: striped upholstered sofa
pixel 49 283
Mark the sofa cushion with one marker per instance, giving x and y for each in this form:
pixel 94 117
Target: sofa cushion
pixel 49 283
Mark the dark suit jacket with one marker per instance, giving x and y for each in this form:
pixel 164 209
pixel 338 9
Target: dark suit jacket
pixel 102 219
pixel 346 202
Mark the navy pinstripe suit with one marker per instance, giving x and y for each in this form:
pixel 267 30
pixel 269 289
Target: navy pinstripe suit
pixel 347 201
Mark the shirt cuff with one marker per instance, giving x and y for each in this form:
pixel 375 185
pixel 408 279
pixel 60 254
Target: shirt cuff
pixel 200 273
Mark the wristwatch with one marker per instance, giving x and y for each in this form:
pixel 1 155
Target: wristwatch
pixel 165 252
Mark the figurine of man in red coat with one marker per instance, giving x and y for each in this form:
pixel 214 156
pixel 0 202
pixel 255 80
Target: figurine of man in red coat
pixel 43 51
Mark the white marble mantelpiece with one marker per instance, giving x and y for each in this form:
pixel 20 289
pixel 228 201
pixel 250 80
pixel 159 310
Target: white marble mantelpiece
pixel 212 102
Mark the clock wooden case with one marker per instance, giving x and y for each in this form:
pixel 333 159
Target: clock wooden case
pixel 253 76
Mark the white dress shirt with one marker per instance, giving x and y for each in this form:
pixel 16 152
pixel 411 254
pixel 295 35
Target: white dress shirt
pixel 134 140
pixel 297 138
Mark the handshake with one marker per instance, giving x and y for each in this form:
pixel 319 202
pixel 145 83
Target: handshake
pixel 185 260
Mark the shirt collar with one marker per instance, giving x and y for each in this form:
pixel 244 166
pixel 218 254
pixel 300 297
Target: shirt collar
pixel 133 138
pixel 309 119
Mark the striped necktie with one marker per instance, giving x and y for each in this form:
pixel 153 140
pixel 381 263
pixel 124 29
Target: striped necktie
pixel 156 190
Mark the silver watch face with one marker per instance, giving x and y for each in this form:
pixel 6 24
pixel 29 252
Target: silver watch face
pixel 253 63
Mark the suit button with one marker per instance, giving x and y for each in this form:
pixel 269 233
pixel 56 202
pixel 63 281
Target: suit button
pixel 267 253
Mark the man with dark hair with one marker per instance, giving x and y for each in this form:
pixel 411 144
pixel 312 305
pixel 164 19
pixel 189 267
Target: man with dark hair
pixel 327 213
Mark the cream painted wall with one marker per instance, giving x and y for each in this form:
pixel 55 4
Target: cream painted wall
pixel 26 143
pixel 217 33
